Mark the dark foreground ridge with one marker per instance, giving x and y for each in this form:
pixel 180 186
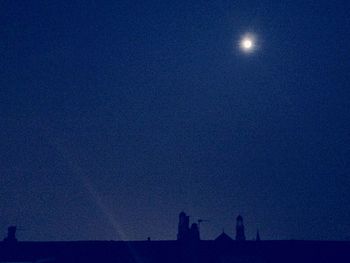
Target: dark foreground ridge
pixel 187 248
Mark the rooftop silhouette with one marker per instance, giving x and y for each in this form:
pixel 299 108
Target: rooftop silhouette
pixel 188 247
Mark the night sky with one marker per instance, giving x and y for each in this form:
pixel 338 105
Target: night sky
pixel 117 115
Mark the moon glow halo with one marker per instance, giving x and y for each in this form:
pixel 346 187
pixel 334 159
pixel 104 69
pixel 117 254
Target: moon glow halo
pixel 247 44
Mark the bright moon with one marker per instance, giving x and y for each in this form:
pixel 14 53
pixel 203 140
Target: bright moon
pixel 247 44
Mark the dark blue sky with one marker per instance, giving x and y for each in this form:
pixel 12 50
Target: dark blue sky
pixel 117 115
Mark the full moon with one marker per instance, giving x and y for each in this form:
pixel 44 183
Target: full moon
pixel 247 44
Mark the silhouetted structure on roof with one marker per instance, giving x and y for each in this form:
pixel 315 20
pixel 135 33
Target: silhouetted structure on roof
pixel 188 248
pixel 183 227
pixel 11 234
pixel 194 232
pixel 184 232
pixel 257 236
pixel 240 236
pixel 223 237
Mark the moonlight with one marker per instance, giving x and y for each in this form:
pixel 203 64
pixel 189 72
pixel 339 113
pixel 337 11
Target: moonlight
pixel 247 44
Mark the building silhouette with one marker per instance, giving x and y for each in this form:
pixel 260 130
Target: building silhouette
pixel 183 227
pixel 184 232
pixel 187 248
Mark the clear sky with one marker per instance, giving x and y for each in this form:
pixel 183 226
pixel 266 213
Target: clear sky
pixel 117 115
